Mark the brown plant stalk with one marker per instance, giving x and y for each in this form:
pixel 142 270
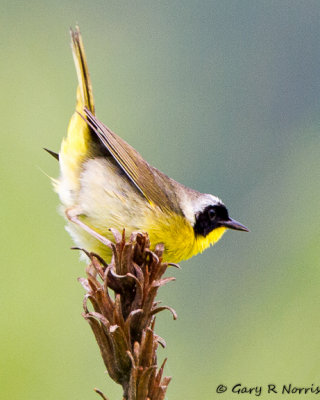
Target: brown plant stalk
pixel 123 323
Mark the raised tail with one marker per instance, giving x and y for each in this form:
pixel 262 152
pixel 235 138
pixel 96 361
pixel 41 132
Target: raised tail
pixel 76 147
pixel 80 61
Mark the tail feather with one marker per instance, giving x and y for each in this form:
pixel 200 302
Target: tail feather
pixel 77 146
pixel 80 61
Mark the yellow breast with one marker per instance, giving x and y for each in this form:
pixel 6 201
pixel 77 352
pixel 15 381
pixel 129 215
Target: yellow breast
pixel 177 235
pixel 174 231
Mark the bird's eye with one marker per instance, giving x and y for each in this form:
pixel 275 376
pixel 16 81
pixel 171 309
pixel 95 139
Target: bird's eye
pixel 211 214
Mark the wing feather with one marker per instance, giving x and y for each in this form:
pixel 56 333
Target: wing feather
pixel 155 186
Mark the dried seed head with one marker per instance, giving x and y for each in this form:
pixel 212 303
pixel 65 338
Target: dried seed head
pixel 123 323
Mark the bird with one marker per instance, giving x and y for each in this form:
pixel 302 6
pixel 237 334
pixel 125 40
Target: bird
pixel 106 185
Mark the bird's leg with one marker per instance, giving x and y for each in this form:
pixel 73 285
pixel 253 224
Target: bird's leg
pixel 73 216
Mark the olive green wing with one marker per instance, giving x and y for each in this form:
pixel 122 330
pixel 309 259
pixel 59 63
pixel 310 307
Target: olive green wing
pixel 155 186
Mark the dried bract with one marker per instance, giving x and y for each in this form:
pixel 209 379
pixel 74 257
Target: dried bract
pixel 123 321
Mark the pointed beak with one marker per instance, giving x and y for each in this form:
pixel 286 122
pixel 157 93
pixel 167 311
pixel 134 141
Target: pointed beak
pixel 233 224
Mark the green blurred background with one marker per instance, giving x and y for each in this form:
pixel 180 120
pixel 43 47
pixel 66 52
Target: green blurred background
pixel 222 96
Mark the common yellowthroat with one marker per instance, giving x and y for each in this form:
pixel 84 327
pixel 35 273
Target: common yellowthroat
pixel 105 183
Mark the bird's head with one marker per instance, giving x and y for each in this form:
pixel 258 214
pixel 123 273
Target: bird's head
pixel 211 219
